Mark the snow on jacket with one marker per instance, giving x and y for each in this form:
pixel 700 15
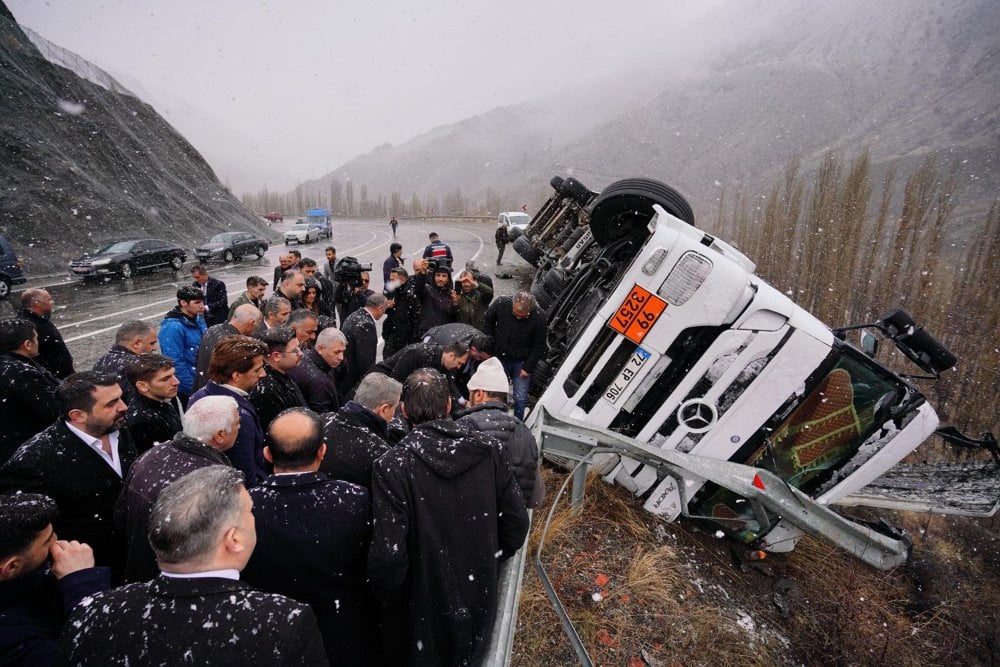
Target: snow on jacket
pixel 275 392
pixel 518 443
pixel 248 453
pixel 151 421
pixel 402 322
pixel 179 339
pixel 114 361
pixel 28 397
pixel 446 512
pixel 151 473
pixel 355 438
pixel 52 350
pixel 317 382
pixel 201 621
pixel 312 542
pixel 435 303
pixel 362 348
pixel 61 466
pixel 516 339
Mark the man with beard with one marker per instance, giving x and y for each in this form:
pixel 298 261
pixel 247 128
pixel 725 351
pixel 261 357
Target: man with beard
pixel 466 516
pixel 315 374
pixel 291 286
pixel 276 312
pixel 133 338
pixel 256 286
pixel 80 462
pixel 180 336
pixel 276 391
pixel 438 301
pixel 402 319
pixel 237 365
pixel 154 415
pixel 27 389
pixel 36 307
pixel 474 300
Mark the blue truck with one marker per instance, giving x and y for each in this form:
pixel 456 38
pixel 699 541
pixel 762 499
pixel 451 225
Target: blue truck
pixel 319 218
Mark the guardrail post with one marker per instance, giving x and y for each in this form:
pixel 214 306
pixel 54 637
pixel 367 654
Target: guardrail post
pixel 579 486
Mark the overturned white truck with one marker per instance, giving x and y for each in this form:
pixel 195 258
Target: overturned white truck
pixel 690 381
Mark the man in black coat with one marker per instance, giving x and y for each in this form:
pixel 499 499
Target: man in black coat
pixel 488 414
pixel 36 307
pixel 446 511
pixel 27 389
pixel 154 415
pixel 438 301
pixel 133 338
pixel 315 375
pixel 402 319
pixel 35 597
pixel 357 434
pixel 216 295
pixel 243 322
pixel 80 462
pixel 517 326
pixel 210 428
pixel 312 539
pixel 362 342
pixel 481 348
pixel 291 286
pixel 197 611
pixel 277 391
pixel 444 358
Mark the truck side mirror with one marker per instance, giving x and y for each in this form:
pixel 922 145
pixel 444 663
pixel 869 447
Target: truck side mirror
pixel 869 344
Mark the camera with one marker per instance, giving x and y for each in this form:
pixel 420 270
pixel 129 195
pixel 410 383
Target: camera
pixel 439 263
pixel 349 270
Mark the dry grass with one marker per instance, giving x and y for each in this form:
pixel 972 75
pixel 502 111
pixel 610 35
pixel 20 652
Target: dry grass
pixel 670 594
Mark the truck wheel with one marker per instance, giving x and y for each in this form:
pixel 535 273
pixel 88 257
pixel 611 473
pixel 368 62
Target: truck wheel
pixel 626 207
pixel 514 233
pixel 524 248
pixel 576 190
pixel 228 256
pixel 556 183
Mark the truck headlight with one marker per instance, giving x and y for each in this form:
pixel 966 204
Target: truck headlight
pixel 685 278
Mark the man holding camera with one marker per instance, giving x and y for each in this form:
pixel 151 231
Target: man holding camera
pixel 352 287
pixel 438 301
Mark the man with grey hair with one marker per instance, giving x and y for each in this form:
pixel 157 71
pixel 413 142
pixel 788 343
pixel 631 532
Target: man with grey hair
pixel 362 341
pixel 36 307
pixel 315 373
pixel 243 322
pixel 210 427
pixel 276 312
pixel 202 531
pixel 518 328
pixel 358 433
pixel 305 324
pixel 133 338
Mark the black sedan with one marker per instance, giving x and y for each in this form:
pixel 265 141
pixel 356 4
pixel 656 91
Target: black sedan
pixel 231 245
pixel 124 258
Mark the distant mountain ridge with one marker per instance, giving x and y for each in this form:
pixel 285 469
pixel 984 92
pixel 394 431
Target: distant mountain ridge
pixel 84 165
pixel 902 78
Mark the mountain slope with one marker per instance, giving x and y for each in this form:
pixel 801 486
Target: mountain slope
pixel 83 165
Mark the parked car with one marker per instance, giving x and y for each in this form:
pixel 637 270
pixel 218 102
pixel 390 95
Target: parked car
pixel 10 269
pixel 274 217
pixel 301 233
pixel 124 258
pixel 231 245
pixel 516 222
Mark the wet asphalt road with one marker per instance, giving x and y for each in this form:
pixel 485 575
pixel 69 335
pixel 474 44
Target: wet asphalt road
pixel 88 315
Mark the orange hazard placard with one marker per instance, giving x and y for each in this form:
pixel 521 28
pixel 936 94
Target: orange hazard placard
pixel 637 314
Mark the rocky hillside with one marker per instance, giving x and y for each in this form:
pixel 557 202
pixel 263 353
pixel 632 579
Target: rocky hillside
pixel 791 78
pixel 84 165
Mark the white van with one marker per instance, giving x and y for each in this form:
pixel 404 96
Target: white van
pixel 514 220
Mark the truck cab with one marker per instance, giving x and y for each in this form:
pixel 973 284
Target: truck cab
pixel 319 219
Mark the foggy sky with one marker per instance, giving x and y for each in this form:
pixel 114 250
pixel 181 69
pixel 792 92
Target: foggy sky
pixel 276 93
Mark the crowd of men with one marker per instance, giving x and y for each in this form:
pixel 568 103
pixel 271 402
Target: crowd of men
pixel 264 488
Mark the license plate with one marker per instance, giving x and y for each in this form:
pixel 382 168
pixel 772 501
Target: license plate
pixel 637 314
pixel 77 269
pixel 629 373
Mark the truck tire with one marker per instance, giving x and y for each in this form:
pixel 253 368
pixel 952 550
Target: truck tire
pixel 527 251
pixel 514 233
pixel 556 183
pixel 576 191
pixel 573 238
pixel 626 207
pixel 550 288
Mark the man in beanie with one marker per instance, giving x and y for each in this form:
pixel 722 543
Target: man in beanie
pixel 488 388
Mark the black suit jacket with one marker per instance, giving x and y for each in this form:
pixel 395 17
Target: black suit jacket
pixel 58 464
pixel 209 621
pixel 216 301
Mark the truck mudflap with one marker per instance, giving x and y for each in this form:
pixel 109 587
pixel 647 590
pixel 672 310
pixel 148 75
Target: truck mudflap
pixel 967 489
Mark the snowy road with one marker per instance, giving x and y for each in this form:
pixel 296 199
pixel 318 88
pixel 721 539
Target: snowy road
pixel 88 315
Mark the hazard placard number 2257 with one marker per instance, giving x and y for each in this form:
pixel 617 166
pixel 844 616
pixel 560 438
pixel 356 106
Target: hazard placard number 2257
pixel 637 314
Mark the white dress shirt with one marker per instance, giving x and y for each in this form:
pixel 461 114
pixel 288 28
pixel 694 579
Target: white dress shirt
pixel 220 574
pixel 95 443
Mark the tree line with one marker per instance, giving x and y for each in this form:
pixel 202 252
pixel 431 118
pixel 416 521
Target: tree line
pixel 849 247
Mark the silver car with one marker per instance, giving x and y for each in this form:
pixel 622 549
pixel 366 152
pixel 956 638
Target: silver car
pixel 301 233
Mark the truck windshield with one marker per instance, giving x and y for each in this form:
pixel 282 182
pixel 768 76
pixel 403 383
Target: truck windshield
pixel 825 428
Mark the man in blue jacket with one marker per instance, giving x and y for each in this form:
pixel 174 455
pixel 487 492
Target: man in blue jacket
pixel 180 335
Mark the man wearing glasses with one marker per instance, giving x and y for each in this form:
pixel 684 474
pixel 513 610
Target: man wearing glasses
pixel 277 391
